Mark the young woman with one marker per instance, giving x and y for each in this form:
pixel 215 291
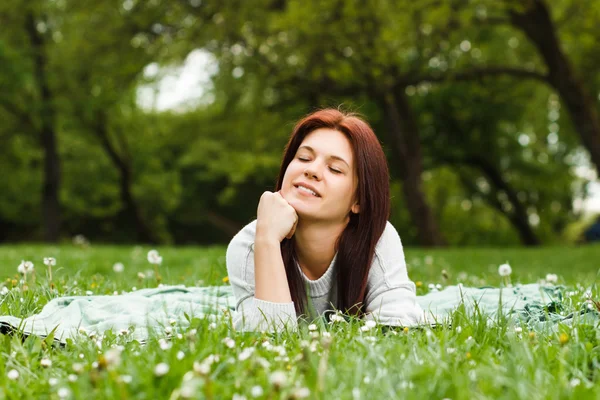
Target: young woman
pixel 322 240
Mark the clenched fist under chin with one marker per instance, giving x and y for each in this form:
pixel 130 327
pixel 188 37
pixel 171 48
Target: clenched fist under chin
pixel 276 218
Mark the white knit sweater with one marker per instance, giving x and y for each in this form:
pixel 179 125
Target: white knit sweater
pixel 390 296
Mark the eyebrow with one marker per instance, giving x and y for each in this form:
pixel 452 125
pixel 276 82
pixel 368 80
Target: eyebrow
pixel 331 156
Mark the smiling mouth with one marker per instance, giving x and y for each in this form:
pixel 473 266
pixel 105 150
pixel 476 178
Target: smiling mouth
pixel 306 190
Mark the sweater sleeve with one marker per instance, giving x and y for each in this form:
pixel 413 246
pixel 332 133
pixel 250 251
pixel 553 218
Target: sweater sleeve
pixel 253 314
pixel 391 295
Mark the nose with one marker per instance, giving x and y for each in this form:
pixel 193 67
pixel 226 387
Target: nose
pixel 311 173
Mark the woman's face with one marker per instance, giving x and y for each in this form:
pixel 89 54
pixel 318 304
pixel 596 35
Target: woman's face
pixel 320 182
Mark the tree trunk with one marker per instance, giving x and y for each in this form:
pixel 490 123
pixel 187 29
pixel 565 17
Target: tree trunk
pixel 537 24
pixel 404 135
pixel 131 211
pixel 519 217
pixel 51 213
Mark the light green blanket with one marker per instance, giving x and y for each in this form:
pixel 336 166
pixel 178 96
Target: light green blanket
pixel 150 310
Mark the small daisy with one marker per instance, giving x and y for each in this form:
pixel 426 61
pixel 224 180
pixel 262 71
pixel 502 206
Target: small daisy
pixel 278 379
pixel 161 369
pixel 46 362
pixel 13 375
pixel 118 267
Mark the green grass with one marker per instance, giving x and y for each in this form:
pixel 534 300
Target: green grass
pixel 475 361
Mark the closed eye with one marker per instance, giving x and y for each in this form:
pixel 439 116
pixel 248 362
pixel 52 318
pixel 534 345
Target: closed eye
pixel 335 171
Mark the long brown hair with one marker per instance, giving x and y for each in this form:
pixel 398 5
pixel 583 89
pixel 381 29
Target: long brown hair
pixel 356 245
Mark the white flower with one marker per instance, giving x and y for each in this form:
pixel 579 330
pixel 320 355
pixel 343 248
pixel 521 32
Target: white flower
pixel 256 391
pixel 49 261
pixel 238 397
pixel 25 267
pixel 370 324
pixel 301 393
pixel 551 278
pixel 212 326
pixel 113 357
pixel 64 392
pixel 180 355
pixel 13 375
pixel 246 353
pixel 518 329
pixel 202 368
pixel 52 381
pixel 141 275
pixel 77 368
pixel 161 369
pixel 278 379
pixel 4 291
pixel 154 257
pixel 168 330
pixel 72 378
pixel 229 342
pixel 46 362
pixel 336 318
pixel 118 267
pixel 504 270
pixel 126 378
pixel 575 382
pixel 163 344
pixel 312 327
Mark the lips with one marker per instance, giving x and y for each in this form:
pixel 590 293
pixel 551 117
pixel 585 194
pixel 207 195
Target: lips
pixel 309 187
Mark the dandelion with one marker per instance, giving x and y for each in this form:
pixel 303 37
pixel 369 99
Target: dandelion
pixel 161 369
pixel 49 262
pixel 26 267
pixel 256 391
pixel 13 375
pixel 563 338
pixel 278 379
pixel 504 270
pixel 46 362
pixel 155 259
pixel 63 392
pixel 226 279
pixel 551 278
pixel 118 267
pixel 419 284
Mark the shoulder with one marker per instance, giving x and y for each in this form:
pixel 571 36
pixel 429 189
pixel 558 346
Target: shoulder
pixel 388 265
pixel 242 243
pixel 389 242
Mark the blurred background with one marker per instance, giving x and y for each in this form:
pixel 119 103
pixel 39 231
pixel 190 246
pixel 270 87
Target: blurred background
pixel 163 121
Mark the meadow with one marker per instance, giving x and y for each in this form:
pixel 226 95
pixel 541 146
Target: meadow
pixel 469 359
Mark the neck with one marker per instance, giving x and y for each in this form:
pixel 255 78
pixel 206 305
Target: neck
pixel 315 246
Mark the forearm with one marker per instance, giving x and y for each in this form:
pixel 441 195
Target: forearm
pixel 271 282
